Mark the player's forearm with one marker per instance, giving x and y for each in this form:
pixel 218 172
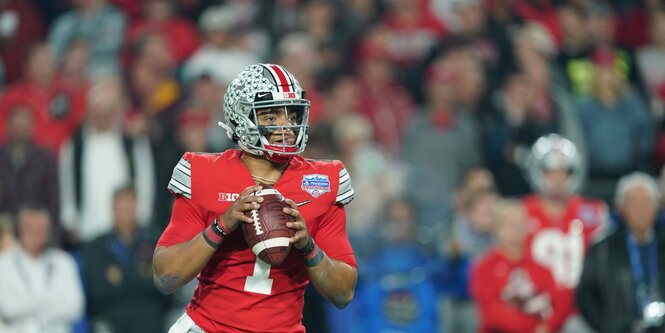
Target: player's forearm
pixel 178 264
pixel 335 280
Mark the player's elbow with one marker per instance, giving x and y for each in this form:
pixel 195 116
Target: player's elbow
pixel 343 300
pixel 165 283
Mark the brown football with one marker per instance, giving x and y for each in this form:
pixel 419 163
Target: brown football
pixel 267 235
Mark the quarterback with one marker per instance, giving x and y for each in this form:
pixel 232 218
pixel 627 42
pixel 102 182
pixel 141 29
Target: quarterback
pixel 265 113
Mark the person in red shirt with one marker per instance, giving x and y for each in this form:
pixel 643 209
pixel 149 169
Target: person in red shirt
pixel 160 18
pixel 265 112
pixel 58 110
pixel 513 293
pixel 562 224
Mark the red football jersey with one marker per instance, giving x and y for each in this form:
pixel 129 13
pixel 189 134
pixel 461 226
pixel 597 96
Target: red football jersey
pixel 505 291
pixel 561 244
pixel 238 292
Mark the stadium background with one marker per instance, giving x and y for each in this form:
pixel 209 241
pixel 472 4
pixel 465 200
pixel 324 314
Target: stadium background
pixel 435 101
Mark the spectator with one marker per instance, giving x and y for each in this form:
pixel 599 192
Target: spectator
pixel 562 224
pixel 22 26
pixel 384 101
pixel 161 18
pixel 588 27
pixel 617 127
pixel 223 53
pixel 101 25
pixel 298 53
pixel 442 141
pixel 118 273
pixel 513 293
pixel 40 289
pixel 650 59
pixel 575 44
pixel 551 104
pixel 57 110
pixel 510 129
pixel 470 238
pixel 407 302
pixel 470 24
pixel 99 159
pixel 412 31
pixel 621 285
pixel 28 173
pixel 379 177
pixel 156 95
pixel 321 24
pixel 190 136
pixel 7 239
pixel 73 70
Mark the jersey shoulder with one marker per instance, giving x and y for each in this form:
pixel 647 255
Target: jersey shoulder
pixel 181 179
pixel 592 212
pixel 338 175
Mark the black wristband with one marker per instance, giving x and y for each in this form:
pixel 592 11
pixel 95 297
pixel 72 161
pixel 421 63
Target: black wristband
pixel 308 248
pixel 214 234
pixel 312 254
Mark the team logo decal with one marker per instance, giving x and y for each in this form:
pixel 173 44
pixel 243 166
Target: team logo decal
pixel 315 184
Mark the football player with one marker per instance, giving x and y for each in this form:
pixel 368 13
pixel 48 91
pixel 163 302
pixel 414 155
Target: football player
pixel 265 113
pixel 562 224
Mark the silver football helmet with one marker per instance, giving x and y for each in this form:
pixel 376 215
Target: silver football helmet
pixel 264 87
pixel 553 152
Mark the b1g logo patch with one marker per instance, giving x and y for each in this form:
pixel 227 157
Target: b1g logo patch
pixel 315 184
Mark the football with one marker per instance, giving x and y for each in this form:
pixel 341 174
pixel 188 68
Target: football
pixel 267 235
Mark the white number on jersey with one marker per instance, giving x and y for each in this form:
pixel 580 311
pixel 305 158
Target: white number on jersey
pixel 562 253
pixel 259 282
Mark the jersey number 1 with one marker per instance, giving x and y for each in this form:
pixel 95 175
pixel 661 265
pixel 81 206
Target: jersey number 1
pixel 259 282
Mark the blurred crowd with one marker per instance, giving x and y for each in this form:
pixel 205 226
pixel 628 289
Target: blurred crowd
pixel 506 154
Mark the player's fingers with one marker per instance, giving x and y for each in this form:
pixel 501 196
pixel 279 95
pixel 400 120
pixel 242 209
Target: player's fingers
pixel 249 190
pixel 243 207
pixel 252 198
pixel 298 236
pixel 296 225
pixel 242 217
pixel 291 211
pixel 291 203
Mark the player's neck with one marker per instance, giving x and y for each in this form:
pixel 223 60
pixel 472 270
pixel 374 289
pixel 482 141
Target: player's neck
pixel 554 205
pixel 512 252
pixel 262 169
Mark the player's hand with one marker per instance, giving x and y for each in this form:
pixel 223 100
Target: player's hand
pixel 235 214
pixel 300 239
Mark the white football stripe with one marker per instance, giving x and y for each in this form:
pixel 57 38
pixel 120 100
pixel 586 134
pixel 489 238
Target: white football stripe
pixel 273 242
pixel 268 191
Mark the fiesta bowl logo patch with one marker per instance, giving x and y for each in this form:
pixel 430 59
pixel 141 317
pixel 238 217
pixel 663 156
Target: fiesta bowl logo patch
pixel 315 184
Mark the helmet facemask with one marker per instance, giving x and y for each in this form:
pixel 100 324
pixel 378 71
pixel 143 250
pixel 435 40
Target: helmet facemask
pixel 255 138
